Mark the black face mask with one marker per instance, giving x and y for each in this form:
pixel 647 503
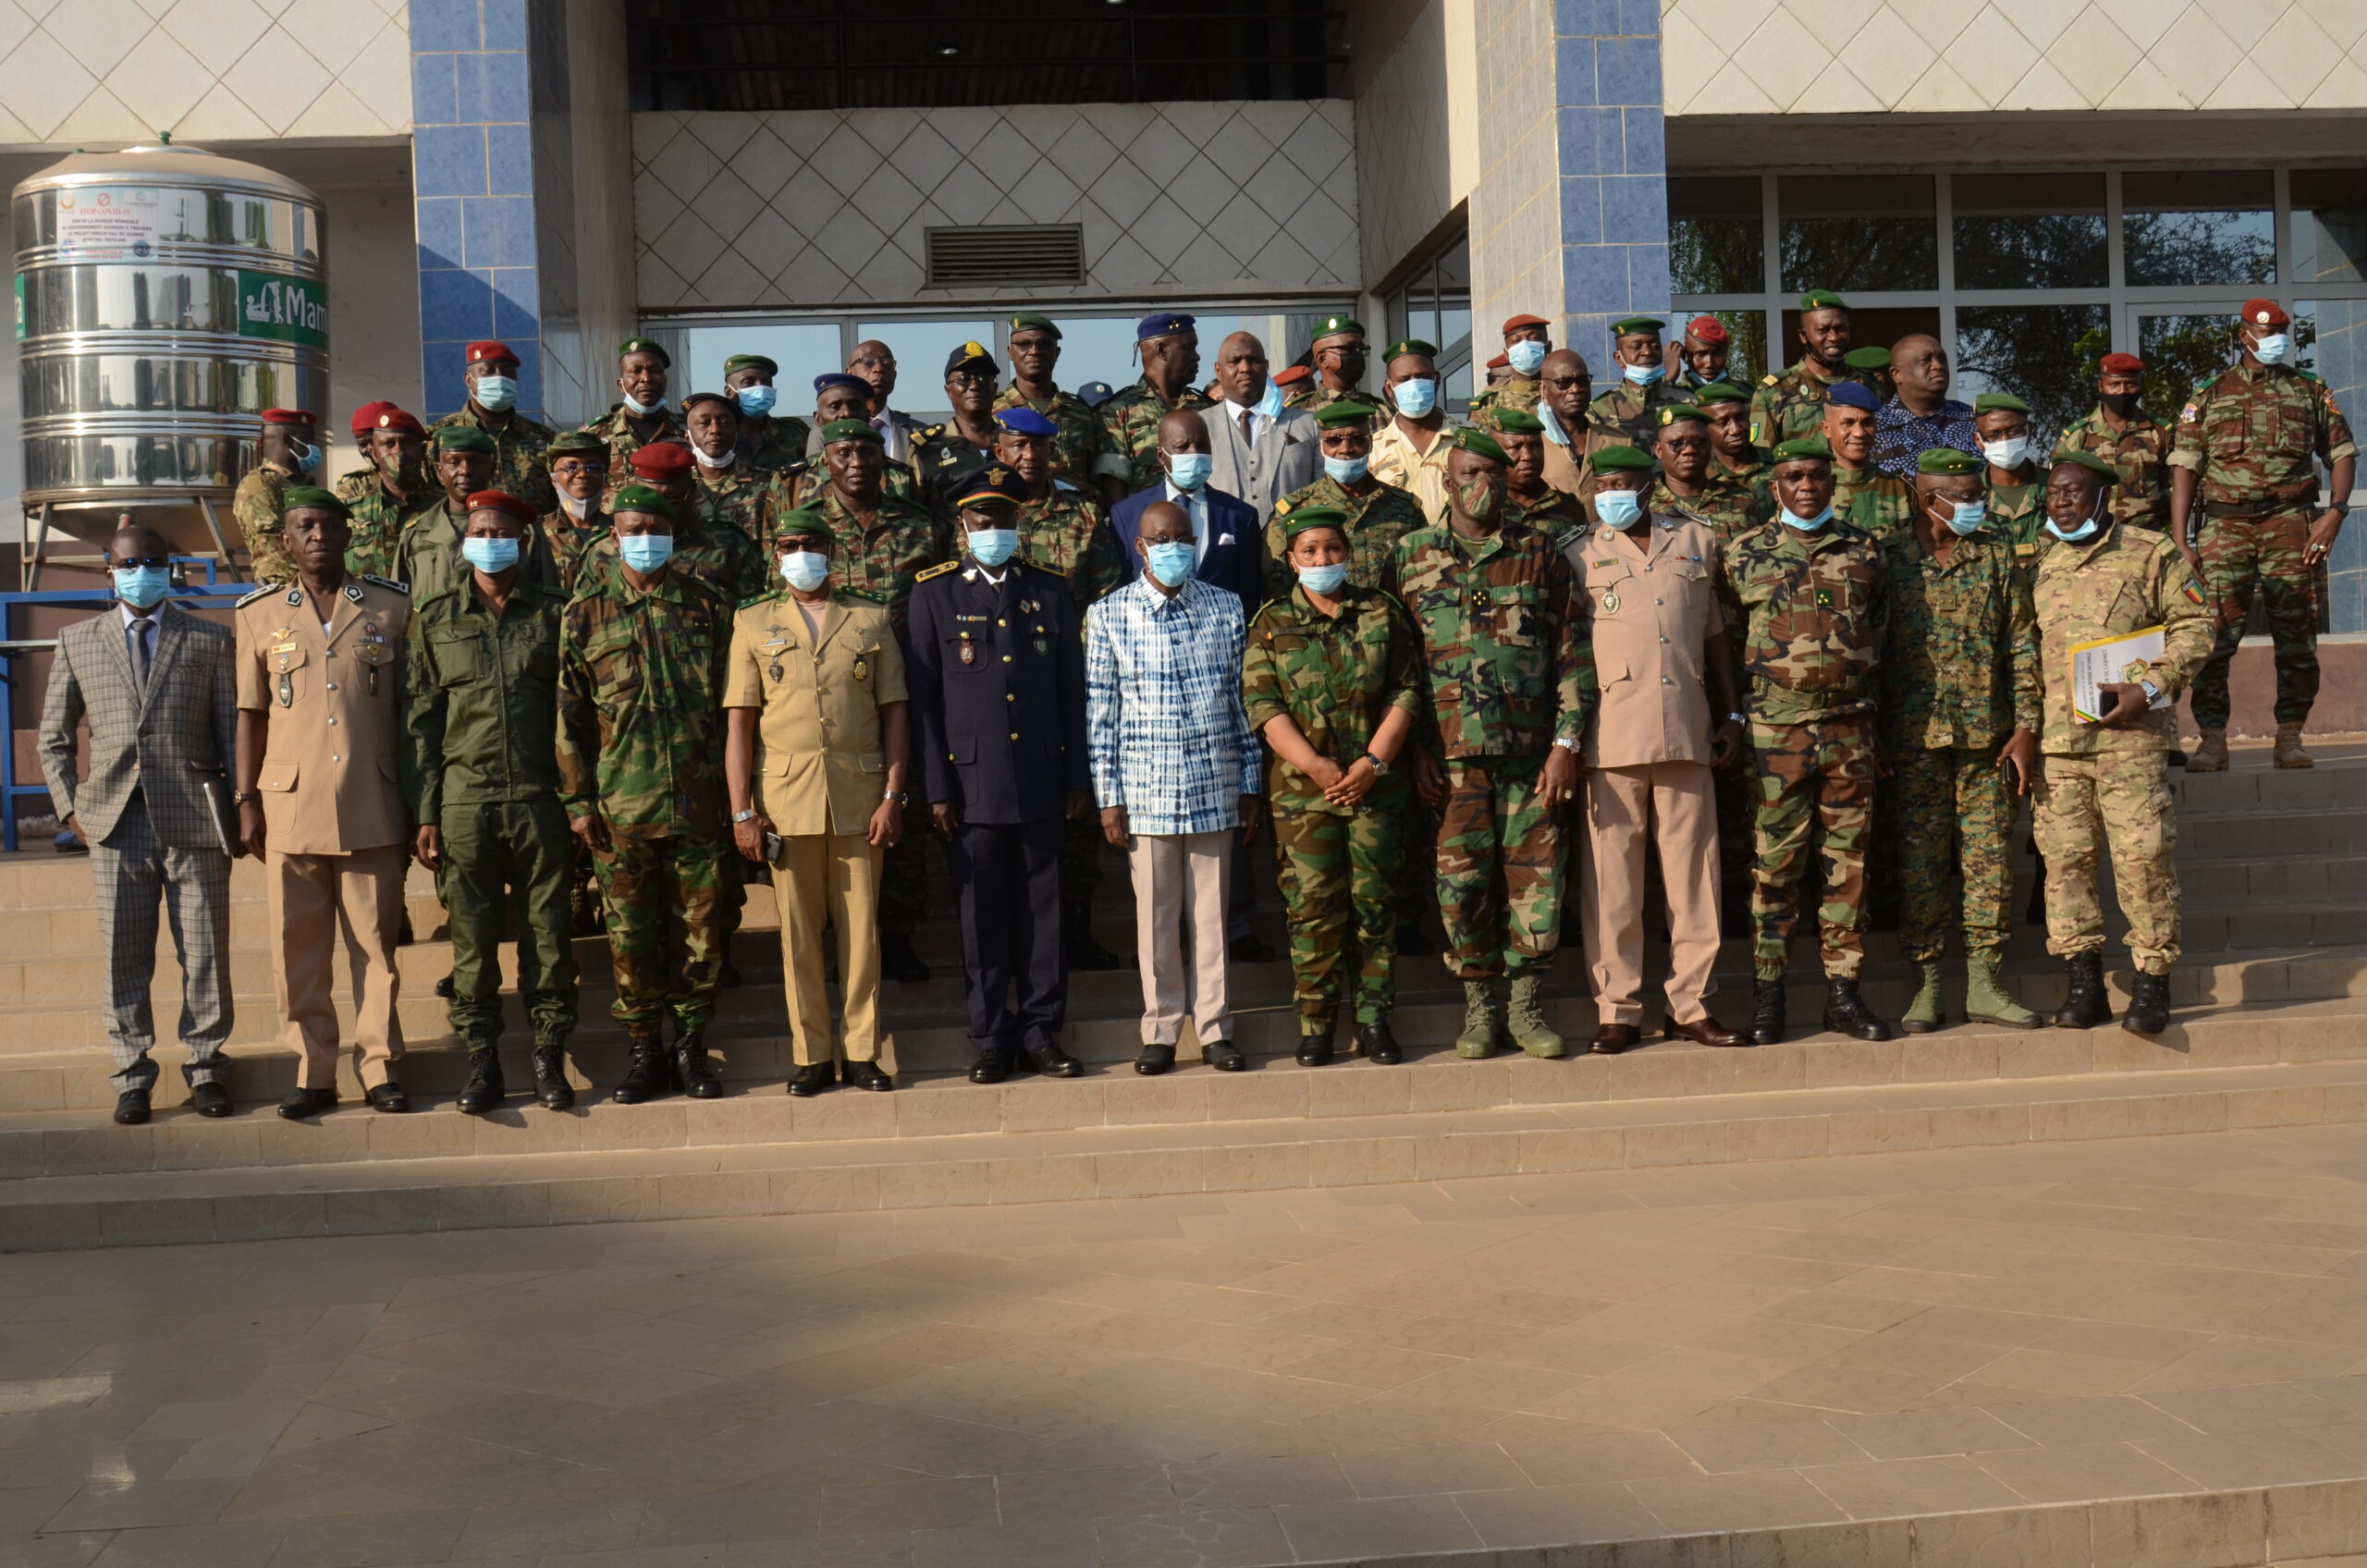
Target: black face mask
pixel 2120 405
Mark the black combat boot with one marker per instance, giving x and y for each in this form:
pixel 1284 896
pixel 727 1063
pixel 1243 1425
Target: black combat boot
pixel 690 1065
pixel 2149 1004
pixel 2085 1004
pixel 1379 1044
pixel 1846 1013
pixel 485 1090
pixel 551 1087
pixel 648 1073
pixel 1766 1013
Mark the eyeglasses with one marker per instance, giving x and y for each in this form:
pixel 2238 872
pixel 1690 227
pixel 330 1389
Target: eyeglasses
pixel 577 470
pixel 972 379
pixel 162 563
pixel 876 364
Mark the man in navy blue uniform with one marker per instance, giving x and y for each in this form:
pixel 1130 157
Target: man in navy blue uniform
pixel 996 672
pixel 1231 538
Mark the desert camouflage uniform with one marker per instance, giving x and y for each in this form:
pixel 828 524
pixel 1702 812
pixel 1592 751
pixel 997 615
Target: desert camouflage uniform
pixel 1632 413
pixel 354 483
pixel 2140 451
pixel 521 465
pixel 1077 438
pixel 1315 396
pixel 256 508
pixel 379 520
pixel 1521 392
pixel 1130 427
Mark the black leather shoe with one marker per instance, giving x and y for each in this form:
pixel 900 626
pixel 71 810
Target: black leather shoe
pixel 2085 1002
pixel 305 1104
pixel 2149 1004
pixel 1223 1056
pixel 1766 1011
pixel 131 1108
pixel 444 987
pixel 897 960
pixel 1086 956
pixel 1315 1051
pixel 1155 1061
pixel 1378 1045
pixel 647 1074
pixel 1047 1058
pixel 1250 949
pixel 865 1075
pixel 691 1069
pixel 485 1090
pixel 1846 1013
pixel 210 1099
pixel 994 1065
pixel 551 1088
pixel 812 1078
pixel 388 1097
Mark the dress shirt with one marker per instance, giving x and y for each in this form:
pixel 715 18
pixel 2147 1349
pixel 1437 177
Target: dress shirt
pixel 1259 421
pixel 1165 728
pixel 893 439
pixel 1196 507
pixel 1900 438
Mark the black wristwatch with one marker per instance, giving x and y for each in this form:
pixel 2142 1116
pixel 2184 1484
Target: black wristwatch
pixel 1380 769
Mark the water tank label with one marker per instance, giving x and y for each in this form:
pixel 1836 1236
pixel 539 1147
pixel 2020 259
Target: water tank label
pixel 288 310
pixel 107 224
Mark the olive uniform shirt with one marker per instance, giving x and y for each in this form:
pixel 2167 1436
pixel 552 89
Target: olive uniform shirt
pixel 483 695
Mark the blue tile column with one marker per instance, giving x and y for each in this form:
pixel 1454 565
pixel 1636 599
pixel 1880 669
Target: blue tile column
pixel 473 178
pixel 1614 164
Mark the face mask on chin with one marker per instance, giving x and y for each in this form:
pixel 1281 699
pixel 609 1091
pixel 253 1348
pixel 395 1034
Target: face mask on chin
pixel 643 411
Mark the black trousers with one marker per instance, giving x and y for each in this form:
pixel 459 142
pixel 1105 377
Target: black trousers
pixel 1008 880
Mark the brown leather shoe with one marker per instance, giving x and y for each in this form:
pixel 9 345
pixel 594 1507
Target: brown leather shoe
pixel 1708 1032
pixel 1613 1038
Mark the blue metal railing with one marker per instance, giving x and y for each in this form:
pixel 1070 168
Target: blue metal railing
pixel 213 594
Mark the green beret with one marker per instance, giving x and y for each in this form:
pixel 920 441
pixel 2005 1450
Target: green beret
pixel 2087 460
pixel 1822 300
pixel 1518 421
pixel 751 361
pixel 1811 447
pixel 805 520
pixel 576 444
pixel 1411 345
pixel 1872 357
pixel 297 497
pixel 1348 411
pixel 1946 460
pixel 1672 412
pixel 640 498
pixel 1028 321
pixel 850 430
pixel 2006 400
pixel 464 438
pixel 1335 327
pixel 1297 522
pixel 1621 459
pixel 1637 323
pixel 1478 441
pixel 1720 392
pixel 645 345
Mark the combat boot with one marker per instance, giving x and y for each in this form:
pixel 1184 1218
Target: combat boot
pixel 1525 1017
pixel 1927 1012
pixel 691 1065
pixel 1846 1013
pixel 2149 1004
pixel 648 1074
pixel 2085 1003
pixel 1986 1000
pixel 485 1090
pixel 1378 1045
pixel 2211 756
pixel 1483 1024
pixel 2288 753
pixel 1766 1011
pixel 551 1087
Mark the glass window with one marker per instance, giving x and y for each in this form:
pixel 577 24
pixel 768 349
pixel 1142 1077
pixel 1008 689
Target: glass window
pixel 2181 352
pixel 1858 233
pixel 2029 231
pixel 2329 225
pixel 2199 227
pixel 1717 240
pixel 921 348
pixel 2330 339
pixel 2046 355
pixel 1096 349
pixel 803 349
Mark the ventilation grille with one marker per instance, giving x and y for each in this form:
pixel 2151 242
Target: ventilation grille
pixel 966 258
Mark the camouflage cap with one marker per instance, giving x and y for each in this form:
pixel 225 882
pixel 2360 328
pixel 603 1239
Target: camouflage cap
pixel 1480 441
pixel 576 444
pixel 1299 521
pixel 640 498
pixel 1948 462
pixel 1815 447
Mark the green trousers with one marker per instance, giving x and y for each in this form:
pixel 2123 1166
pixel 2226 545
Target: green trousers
pixel 504 859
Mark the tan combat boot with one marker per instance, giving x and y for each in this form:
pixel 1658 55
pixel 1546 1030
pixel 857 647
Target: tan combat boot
pixel 2288 748
pixel 2211 756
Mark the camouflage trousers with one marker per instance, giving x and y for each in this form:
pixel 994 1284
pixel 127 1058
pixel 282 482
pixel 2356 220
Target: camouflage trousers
pixel 1340 874
pixel 1499 869
pixel 2121 800
pixel 1815 778
pixel 1952 810
pixel 511 856
pixel 904 884
pixel 664 899
pixel 2241 555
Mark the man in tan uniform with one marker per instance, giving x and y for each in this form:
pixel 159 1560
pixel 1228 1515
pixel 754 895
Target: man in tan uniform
pixel 1650 585
pixel 320 729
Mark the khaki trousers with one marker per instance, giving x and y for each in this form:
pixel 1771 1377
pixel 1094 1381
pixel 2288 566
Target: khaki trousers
pixel 312 898
pixel 1180 876
pixel 1672 807
pixel 831 878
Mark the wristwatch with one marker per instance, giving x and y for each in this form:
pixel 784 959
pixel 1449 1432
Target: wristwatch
pixel 241 797
pixel 1380 769
pixel 2152 692
pixel 899 797
pixel 1737 718
pixel 1566 742
pixel 739 816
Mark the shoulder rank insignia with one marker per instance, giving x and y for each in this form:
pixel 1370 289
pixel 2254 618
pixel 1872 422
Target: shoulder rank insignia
pixel 265 592
pixel 1281 508
pixel 1768 380
pixel 939 571
pixel 2187 415
pixel 397 584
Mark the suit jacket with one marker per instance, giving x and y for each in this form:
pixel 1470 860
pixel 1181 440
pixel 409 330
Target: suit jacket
pixel 162 742
pixel 1284 459
pixel 1235 553
pixel 996 675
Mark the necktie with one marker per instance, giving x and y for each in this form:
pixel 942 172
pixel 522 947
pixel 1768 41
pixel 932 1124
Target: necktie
pixel 142 629
pixel 1247 433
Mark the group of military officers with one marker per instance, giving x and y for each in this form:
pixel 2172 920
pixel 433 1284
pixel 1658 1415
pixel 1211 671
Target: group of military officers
pixel 1498 655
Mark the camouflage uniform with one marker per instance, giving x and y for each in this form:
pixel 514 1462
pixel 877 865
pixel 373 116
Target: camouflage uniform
pixel 1336 678
pixel 354 483
pixel 1068 532
pixel 256 508
pixel 2018 518
pixel 1817 603
pixel 1130 428
pixel 1632 413
pixel 1521 392
pixel 2249 436
pixel 800 482
pixel 1746 476
pixel 733 497
pixel 1378 516
pixel 2114 784
pixel 1879 504
pixel 521 465
pixel 1724 506
pixel 1959 674
pixel 773 441
pixel 1508 676
pixel 615 427
pixel 379 520
pixel 1315 396
pixel 1789 406
pixel 641 744
pixel 1077 431
pixel 2140 451
pixel 722 559
pixel 570 539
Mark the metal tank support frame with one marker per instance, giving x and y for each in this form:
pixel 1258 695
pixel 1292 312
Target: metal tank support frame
pixel 35 554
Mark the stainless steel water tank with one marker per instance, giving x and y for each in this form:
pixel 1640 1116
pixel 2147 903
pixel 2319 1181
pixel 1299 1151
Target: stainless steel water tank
pixel 165 296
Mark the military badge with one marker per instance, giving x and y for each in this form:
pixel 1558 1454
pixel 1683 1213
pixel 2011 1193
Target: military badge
pixel 1824 598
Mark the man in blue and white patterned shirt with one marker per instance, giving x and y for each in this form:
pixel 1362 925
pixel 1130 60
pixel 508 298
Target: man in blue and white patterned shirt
pixel 1177 770
pixel 1919 415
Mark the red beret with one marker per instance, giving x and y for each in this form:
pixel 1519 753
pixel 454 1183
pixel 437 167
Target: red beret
pixel 1293 375
pixel 403 420
pixel 2265 312
pixel 2123 364
pixel 365 418
pixel 1502 362
pixel 662 460
pixel 487 350
pixel 1706 329
pixel 500 501
pixel 1513 324
pixel 287 416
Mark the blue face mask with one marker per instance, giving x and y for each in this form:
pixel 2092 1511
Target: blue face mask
pixel 992 546
pixel 1526 356
pixel 1621 508
pixel 647 552
pixel 1966 516
pixel 490 556
pixel 1323 579
pixel 1189 470
pixel 1417 397
pixel 2273 349
pixel 1643 375
pixel 307 460
pixel 804 569
pixel 1805 524
pixel 495 393
pixel 140 586
pixel 642 410
pixel 1270 403
pixel 758 401
pixel 2087 530
pixel 1173 563
pixel 1346 470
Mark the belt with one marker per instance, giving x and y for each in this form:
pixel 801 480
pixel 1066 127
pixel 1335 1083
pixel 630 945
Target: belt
pixel 2266 507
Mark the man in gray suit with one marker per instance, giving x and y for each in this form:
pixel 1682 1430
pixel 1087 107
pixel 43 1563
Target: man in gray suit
pixel 158 687
pixel 1262 451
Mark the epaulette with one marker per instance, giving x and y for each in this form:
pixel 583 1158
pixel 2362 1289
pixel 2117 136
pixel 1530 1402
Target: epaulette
pixel 760 599
pixel 931 433
pixel 1768 380
pixel 397 584
pixel 1044 570
pixel 1283 507
pixel 263 592
pixel 935 572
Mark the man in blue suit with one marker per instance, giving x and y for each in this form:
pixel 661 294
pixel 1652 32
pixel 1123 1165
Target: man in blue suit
pixel 1231 543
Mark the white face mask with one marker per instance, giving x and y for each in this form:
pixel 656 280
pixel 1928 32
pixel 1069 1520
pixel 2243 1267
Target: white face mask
pixel 2011 452
pixel 705 461
pixel 574 507
pixel 642 410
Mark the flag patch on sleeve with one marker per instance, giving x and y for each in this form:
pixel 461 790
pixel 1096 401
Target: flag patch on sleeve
pixel 2194 590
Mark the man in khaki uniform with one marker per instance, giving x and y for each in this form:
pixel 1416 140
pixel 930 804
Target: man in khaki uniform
pixel 1649 587
pixel 814 694
pixel 320 735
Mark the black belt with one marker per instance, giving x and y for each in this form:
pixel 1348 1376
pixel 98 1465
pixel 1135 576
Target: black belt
pixel 2269 507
